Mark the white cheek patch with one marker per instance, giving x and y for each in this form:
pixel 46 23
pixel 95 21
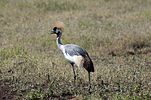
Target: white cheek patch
pixel 57 30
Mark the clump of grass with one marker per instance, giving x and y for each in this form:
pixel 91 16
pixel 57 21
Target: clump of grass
pixel 35 95
pixel 6 53
pixel 53 5
pixel 3 3
pixel 130 43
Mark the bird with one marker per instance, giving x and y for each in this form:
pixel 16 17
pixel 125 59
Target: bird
pixel 74 54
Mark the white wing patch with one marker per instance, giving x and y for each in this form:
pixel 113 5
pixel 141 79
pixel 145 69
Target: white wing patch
pixel 77 59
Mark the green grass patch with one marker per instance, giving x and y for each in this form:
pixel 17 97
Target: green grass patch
pixel 54 5
pixel 6 53
pixel 116 35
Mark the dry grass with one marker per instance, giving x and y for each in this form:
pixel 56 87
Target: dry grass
pixel 117 35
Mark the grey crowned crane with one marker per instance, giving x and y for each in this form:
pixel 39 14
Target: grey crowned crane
pixel 76 55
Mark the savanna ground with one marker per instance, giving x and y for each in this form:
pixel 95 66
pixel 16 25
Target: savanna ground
pixel 116 33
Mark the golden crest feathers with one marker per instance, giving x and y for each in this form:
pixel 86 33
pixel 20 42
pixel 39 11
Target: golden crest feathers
pixel 59 24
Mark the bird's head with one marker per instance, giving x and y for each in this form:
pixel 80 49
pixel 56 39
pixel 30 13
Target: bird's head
pixel 58 28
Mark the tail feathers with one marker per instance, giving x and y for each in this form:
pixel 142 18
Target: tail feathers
pixel 88 64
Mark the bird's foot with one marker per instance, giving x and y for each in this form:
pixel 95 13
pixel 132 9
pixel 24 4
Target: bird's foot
pixel 90 89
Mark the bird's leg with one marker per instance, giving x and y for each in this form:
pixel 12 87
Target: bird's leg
pixel 74 73
pixel 89 82
pixel 77 73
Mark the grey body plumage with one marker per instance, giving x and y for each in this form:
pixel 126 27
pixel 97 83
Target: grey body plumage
pixel 73 49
